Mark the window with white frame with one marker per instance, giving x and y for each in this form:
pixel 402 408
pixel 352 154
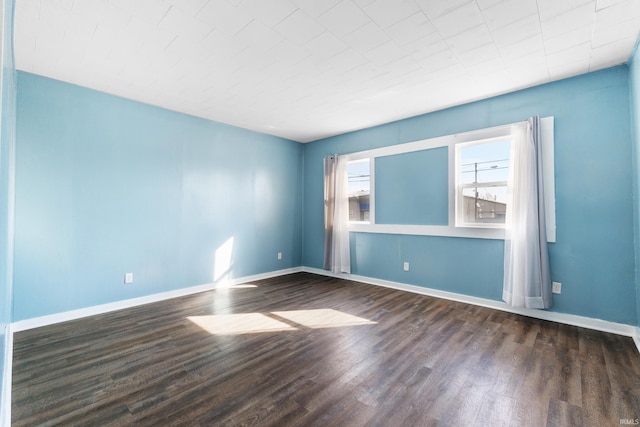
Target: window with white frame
pixel 360 194
pixel 482 182
pixel 477 168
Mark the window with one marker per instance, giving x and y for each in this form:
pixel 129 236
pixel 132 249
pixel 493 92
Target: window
pixel 482 175
pixel 359 184
pixel 452 185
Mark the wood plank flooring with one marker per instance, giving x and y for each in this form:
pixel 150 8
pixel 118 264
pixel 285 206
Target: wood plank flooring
pixel 306 350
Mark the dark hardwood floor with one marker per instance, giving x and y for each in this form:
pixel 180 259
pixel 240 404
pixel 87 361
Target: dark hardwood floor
pixel 308 350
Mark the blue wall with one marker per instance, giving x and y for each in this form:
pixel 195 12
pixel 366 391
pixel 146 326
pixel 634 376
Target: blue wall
pixel 594 253
pixel 634 83
pixel 106 186
pixel 7 147
pixel 417 181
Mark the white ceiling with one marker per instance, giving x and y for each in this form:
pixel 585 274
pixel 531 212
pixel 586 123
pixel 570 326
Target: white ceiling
pixel 307 69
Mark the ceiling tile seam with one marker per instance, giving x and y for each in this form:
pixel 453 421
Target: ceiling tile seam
pixel 444 12
pixel 605 7
pixel 198 11
pixel 435 30
pixel 163 16
pixel 212 28
pixel 420 11
pixel 446 39
pixel 491 32
pixel 482 12
pixel 391 38
pixel 453 10
pixel 546 62
pixel 393 23
pixel 273 27
pixel 456 55
pixel 593 32
pixel 545 36
pixel 341 37
pixel 285 37
pixel 243 27
pixel 171 42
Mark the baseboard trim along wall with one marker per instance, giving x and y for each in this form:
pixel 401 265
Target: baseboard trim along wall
pixel 568 319
pixel 5 404
pixel 36 322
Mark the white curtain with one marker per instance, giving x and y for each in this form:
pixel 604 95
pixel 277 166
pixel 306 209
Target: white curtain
pixel 337 256
pixel 527 279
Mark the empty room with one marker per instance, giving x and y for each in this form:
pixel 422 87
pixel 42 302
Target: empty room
pixel 320 212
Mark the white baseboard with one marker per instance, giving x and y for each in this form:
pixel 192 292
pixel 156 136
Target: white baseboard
pixel 5 403
pixel 568 319
pixel 36 322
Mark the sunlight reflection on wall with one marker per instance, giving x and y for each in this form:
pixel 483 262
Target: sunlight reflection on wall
pixel 223 261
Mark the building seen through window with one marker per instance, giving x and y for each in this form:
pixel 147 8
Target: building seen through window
pixel 359 181
pixel 482 182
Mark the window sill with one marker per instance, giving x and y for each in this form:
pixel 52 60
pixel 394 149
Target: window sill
pixel 430 230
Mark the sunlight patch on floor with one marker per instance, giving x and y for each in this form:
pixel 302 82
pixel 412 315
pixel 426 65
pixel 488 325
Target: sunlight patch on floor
pixel 241 323
pixel 247 323
pixel 322 318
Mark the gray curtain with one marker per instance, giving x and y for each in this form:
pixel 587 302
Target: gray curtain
pixel 330 163
pixel 527 278
pixel 545 271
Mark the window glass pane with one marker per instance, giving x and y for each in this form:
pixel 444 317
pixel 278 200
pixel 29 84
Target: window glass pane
pixel 488 162
pixel 484 205
pixel 359 178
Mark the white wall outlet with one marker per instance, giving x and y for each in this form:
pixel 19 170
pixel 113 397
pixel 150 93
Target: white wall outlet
pixel 556 287
pixel 406 266
pixel 279 255
pixel 128 278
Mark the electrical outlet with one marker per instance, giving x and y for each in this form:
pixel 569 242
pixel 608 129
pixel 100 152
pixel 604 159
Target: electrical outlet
pixel 128 278
pixel 279 255
pixel 406 266
pixel 556 287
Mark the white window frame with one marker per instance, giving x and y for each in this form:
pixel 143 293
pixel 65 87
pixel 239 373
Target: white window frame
pixel 450 141
pixel 459 187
